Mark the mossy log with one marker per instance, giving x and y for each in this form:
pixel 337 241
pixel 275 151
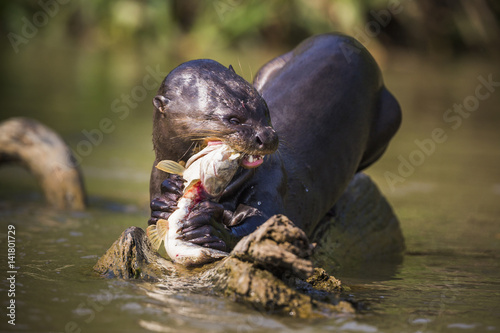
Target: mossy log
pixel 258 273
pixel 132 257
pixel 273 269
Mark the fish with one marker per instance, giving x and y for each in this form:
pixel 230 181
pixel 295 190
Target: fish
pixel 206 175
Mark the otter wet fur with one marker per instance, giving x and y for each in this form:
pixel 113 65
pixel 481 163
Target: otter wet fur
pixel 325 101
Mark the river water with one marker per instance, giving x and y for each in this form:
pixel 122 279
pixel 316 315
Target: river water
pixel 444 187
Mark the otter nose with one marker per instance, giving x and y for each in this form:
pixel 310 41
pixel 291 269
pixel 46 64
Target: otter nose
pixel 267 140
pixel 259 141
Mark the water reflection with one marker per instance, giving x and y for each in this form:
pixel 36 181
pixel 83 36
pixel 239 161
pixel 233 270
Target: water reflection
pixel 448 208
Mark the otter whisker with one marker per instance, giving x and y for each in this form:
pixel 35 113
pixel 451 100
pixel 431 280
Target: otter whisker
pixel 187 151
pixel 239 63
pixel 275 155
pixel 251 72
pixel 203 134
pixel 283 142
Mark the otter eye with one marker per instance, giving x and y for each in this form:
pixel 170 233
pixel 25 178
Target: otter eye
pixel 234 121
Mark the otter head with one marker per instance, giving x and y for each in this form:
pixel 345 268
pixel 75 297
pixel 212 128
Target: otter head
pixel 203 101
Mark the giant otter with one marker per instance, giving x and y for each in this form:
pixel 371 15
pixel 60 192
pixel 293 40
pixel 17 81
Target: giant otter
pixel 328 107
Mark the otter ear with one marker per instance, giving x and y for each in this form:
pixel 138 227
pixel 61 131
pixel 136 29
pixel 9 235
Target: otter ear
pixel 232 69
pixel 160 102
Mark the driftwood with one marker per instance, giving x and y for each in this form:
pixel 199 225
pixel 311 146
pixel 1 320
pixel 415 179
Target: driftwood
pixel 44 154
pixel 279 246
pixel 132 257
pixel 272 269
pixel 259 272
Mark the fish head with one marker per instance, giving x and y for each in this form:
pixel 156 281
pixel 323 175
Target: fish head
pixel 218 168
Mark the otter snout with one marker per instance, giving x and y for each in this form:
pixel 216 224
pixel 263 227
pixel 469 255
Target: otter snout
pixel 266 140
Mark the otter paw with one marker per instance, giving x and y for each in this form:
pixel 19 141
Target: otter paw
pixel 164 205
pixel 203 226
pixel 204 236
pixel 204 213
pixel 172 187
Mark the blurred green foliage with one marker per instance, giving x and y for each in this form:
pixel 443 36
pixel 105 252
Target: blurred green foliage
pixel 177 27
pixel 66 63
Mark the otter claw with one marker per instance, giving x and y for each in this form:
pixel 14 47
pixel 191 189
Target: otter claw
pixel 170 186
pixel 201 232
pixel 218 245
pixel 196 222
pixel 160 205
pixel 160 215
pixel 187 229
pixel 204 240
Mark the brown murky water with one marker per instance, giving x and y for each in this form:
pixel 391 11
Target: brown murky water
pixel 441 174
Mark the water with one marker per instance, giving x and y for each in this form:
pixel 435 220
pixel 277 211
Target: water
pixel 448 207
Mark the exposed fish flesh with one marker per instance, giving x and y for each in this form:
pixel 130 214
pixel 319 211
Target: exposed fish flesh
pixel 206 175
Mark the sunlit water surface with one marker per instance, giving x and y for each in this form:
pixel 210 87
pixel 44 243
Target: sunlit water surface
pixel 449 209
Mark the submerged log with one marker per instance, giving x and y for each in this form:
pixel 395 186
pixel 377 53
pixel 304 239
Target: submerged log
pixel 277 246
pixel 272 269
pixel 272 283
pixel 44 154
pixel 132 257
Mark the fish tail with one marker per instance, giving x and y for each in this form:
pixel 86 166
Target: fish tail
pixel 156 233
pixel 152 233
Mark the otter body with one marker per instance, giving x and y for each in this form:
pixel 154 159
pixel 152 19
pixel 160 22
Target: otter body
pixel 328 107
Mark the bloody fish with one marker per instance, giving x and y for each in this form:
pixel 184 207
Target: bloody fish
pixel 206 175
